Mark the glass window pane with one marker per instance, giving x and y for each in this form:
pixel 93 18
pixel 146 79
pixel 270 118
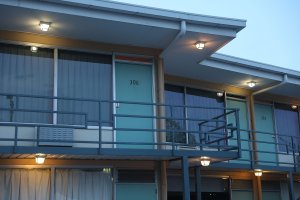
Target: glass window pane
pixel 84 76
pixel 174 96
pixel 206 100
pixel 287 123
pixel 27 73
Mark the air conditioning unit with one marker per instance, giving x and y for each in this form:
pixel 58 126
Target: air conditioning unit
pixel 185 147
pixel 56 135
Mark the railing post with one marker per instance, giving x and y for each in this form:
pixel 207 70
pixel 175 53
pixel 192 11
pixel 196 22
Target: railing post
pixel 100 128
pixel 173 136
pixel 294 154
pixel 16 138
pixel 185 178
pixel 238 136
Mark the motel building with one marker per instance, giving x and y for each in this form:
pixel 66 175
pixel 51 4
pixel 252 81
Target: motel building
pixel 111 101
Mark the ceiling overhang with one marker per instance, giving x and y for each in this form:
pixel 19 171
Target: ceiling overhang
pixel 122 24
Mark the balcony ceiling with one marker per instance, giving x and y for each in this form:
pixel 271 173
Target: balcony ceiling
pixel 123 24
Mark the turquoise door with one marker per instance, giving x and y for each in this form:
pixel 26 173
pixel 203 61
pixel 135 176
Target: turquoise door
pixel 136 191
pixel 244 135
pixel 134 84
pixel 264 122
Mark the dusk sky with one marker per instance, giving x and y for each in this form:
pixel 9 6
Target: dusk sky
pixel 272 34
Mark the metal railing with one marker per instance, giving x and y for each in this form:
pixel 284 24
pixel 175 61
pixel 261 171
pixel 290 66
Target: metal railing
pixel 124 124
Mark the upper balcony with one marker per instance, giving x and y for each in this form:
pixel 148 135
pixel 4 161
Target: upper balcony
pixel 30 125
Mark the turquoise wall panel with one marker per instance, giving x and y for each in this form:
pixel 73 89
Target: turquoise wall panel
pixel 136 191
pixel 134 83
pixel 242 195
pixel 243 118
pixel 264 122
pixel 271 195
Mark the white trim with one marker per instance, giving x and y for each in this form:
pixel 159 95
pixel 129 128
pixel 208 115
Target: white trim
pixel 154 101
pixel 55 84
pixel 114 98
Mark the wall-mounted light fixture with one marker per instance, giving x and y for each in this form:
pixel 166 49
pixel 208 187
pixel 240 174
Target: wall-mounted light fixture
pixel 294 107
pixel 220 94
pixel 45 25
pixel 258 172
pixel 33 49
pixel 205 161
pixel 251 84
pixel 40 158
pixel 200 45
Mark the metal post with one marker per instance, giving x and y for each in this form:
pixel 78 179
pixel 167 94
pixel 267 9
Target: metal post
pixel 259 188
pixel 185 178
pixel 253 133
pixel 198 183
pixel 291 185
pixel 52 182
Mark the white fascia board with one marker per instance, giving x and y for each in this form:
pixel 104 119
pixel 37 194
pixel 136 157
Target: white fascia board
pixel 241 70
pixel 115 11
pixel 255 65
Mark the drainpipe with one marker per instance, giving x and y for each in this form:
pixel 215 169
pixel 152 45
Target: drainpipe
pixel 161 112
pixel 178 36
pixel 285 80
pixel 253 127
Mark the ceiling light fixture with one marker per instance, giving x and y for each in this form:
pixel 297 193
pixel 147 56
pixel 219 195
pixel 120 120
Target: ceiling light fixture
pixel 251 84
pixel 200 45
pixel 294 107
pixel 40 158
pixel 220 94
pixel 258 172
pixel 33 49
pixel 45 26
pixel 205 161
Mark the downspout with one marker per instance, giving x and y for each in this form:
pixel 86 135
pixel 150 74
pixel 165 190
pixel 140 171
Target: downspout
pixel 285 80
pixel 163 192
pixel 253 127
pixel 178 36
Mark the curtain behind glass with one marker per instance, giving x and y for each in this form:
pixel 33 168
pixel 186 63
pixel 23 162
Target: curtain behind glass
pixel 176 115
pixel 24 184
pixel 24 72
pixel 82 185
pixel 83 75
pixel 200 98
pixel 287 124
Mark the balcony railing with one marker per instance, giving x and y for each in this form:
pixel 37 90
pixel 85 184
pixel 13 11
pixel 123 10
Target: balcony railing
pixel 126 128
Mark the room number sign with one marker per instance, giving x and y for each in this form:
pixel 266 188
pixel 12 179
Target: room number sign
pixel 134 82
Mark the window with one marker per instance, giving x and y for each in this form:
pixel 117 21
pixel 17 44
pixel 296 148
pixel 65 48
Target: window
pixel 27 73
pixel 84 76
pixel 80 76
pixel 287 124
pixel 199 104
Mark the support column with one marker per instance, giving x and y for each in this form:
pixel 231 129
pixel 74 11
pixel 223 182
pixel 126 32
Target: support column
pixel 161 100
pixel 198 182
pixel 253 134
pixel 185 178
pixel 257 188
pixel 161 136
pixel 291 185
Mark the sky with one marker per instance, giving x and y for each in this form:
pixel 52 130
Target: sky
pixel 272 34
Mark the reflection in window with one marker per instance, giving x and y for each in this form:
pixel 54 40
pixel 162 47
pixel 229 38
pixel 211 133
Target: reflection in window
pixel 27 73
pixel 174 96
pixel 200 106
pixel 287 124
pixel 84 76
